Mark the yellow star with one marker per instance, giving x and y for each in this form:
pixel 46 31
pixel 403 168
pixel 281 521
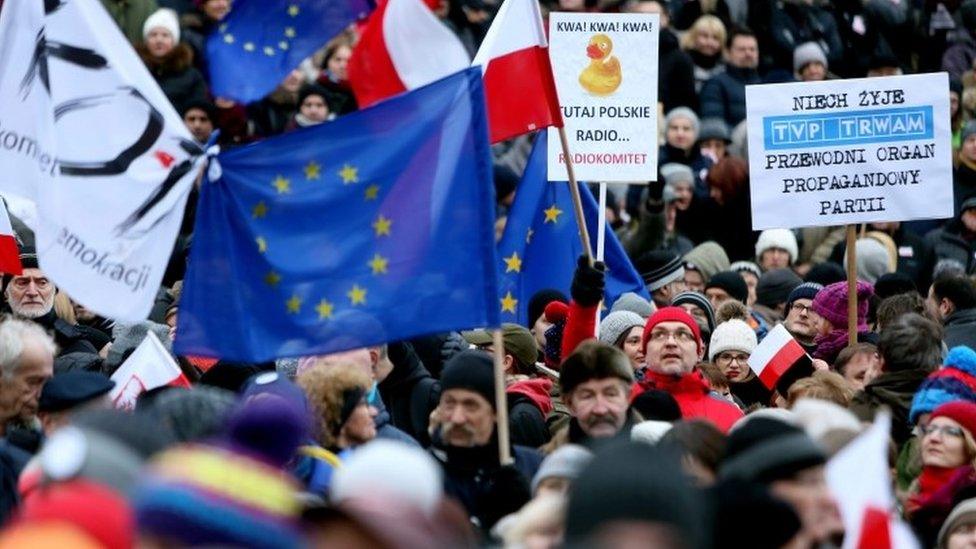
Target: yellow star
pixel 260 210
pixel 222 27
pixel 272 279
pixel 349 174
pixel 293 10
pixel 382 225
pixel 324 308
pixel 379 264
pixel 262 244
pixel 248 46
pixel 312 170
pixel 357 295
pixel 528 236
pixel 294 304
pixel 290 32
pixel 269 51
pixel 283 45
pixel 372 192
pixel 552 214
pixel 229 38
pixel 513 263
pixel 282 185
pixel 509 303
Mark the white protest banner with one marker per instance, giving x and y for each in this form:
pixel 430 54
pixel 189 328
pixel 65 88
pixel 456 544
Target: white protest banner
pixel 605 67
pixel 850 151
pixel 88 138
pixel 148 367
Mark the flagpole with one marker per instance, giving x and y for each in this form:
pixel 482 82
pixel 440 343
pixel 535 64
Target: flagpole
pixel 601 227
pixel 574 192
pixel 501 403
pixel 851 284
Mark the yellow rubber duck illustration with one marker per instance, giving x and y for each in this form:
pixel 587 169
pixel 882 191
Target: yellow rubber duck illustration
pixel 602 76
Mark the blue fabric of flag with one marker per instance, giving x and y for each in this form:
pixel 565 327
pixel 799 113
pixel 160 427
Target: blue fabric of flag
pixel 376 227
pixel 260 42
pixel 541 242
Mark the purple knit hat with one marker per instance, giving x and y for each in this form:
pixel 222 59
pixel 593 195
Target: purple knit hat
pixel 831 303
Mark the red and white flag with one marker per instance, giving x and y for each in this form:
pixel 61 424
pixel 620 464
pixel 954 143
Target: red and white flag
pixel 779 355
pixel 149 366
pixel 514 58
pixel 860 480
pixel 9 252
pixel 403 46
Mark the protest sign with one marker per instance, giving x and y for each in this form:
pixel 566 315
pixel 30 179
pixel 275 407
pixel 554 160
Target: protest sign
pixel 605 67
pixel 850 151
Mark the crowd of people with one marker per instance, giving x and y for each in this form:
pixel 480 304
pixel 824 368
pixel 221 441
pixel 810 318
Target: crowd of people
pixel 644 425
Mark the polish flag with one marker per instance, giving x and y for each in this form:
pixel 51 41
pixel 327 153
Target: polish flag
pixel 514 58
pixel 9 252
pixel 779 360
pixel 148 367
pixel 859 478
pixel 403 46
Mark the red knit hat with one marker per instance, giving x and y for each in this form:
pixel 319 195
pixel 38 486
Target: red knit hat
pixel 962 412
pixel 671 314
pixel 96 510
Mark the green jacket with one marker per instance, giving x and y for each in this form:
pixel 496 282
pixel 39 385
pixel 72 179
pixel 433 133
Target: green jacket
pixel 130 15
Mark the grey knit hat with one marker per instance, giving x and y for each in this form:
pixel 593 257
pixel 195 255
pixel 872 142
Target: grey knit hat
pixel 806 53
pixel 618 323
pixel 634 303
pixel 674 173
pixel 683 112
pixel 714 128
pixel 566 462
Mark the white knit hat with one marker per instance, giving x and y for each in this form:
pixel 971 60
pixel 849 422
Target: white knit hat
pixel 777 238
pixel 616 323
pixel 732 335
pixel 165 18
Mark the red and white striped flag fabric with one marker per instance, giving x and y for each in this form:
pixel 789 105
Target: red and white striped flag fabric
pixel 403 46
pixel 777 355
pixel 9 251
pixel 148 367
pixel 514 58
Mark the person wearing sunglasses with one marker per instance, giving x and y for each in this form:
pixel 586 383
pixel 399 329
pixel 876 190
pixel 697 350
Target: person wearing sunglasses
pixel 948 458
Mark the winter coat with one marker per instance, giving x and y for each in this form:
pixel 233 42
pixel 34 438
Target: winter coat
pixel 411 392
pixel 894 390
pixel 675 75
pixel 694 397
pixel 694 159
pixel 386 429
pixel 528 405
pixel 963 184
pixel 130 15
pixel 960 328
pixel 724 96
pixel 958 58
pixel 751 392
pixel 271 115
pixel 730 225
pixel 181 82
pixel 796 23
pixel 70 338
pixel 705 67
pixel 486 490
pixel 691 10
pixel 948 243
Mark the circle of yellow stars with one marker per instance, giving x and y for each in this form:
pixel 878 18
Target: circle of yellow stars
pixel 270 49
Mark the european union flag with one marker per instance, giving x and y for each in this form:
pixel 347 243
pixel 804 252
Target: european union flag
pixel 260 42
pixel 376 227
pixel 541 242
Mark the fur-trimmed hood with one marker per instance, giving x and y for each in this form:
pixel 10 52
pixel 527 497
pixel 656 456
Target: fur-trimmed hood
pixel 179 59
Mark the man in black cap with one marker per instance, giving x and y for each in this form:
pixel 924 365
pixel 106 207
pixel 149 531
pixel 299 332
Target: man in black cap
pixel 664 274
pixel 772 293
pixel 596 381
pixel 724 286
pixel 465 443
pixel 30 296
pixel 70 392
pixel 801 321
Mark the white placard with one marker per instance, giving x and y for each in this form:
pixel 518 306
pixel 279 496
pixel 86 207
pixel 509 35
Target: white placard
pixel 850 151
pixel 605 67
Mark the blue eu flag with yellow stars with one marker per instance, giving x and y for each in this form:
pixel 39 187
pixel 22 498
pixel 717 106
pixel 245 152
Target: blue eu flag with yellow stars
pixel 541 242
pixel 261 41
pixel 376 227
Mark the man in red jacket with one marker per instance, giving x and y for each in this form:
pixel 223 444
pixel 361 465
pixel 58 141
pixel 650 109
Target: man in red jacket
pixel 673 346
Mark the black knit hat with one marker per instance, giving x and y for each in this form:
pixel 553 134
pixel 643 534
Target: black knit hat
pixel 895 283
pixel 737 504
pixel 774 286
pixel 472 370
pixel 826 273
pixel 539 300
pixel 657 405
pixel 733 284
pixel 700 301
pixel 659 268
pixel 807 290
pixel 765 450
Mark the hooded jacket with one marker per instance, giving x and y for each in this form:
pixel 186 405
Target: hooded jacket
pixel 694 397
pixel 528 405
pixel 175 74
pixel 410 392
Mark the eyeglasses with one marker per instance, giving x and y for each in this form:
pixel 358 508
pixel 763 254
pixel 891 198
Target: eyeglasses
pixel 681 336
pixel 955 432
pixel 728 358
pixel 801 308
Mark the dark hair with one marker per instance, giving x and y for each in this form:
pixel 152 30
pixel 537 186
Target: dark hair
pixel 891 308
pixel 912 342
pixel 957 289
pixel 845 356
pixel 737 31
pixel 312 89
pixel 699 439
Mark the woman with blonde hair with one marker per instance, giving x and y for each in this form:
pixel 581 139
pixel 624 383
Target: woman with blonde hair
pixel 704 42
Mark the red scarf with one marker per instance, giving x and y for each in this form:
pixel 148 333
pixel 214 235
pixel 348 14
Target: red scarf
pixel 929 482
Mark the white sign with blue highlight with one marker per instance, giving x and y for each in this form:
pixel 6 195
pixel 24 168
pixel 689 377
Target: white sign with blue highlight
pixel 850 151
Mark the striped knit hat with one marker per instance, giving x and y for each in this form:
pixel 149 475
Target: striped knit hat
pixel 954 381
